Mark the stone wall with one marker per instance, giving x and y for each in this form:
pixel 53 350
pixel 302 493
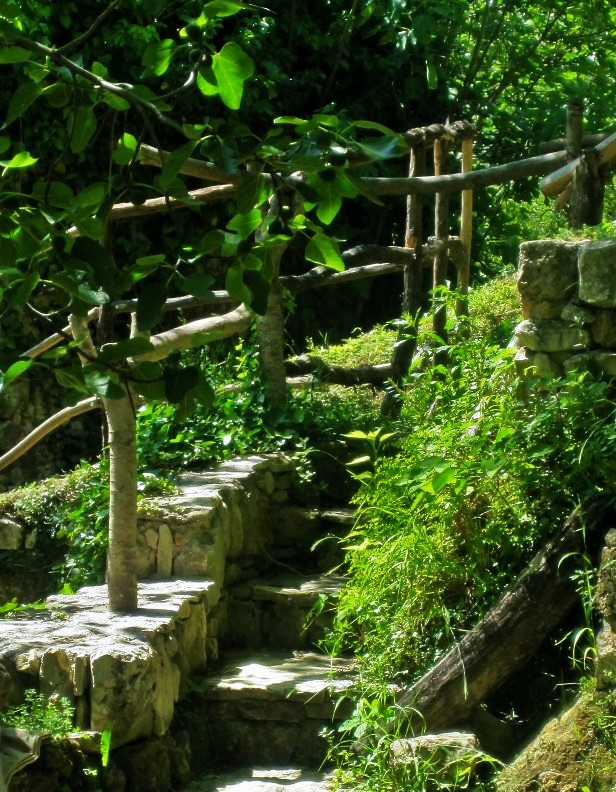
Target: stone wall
pixel 126 672
pixel 568 293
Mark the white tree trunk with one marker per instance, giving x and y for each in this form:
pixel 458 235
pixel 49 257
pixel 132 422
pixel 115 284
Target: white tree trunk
pixel 122 553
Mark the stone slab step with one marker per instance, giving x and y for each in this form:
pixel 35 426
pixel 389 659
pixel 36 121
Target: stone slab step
pixel 264 710
pixel 289 612
pixel 263 780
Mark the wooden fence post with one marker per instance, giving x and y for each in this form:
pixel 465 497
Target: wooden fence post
pixel 587 188
pixel 466 233
pixel 412 290
pixel 441 232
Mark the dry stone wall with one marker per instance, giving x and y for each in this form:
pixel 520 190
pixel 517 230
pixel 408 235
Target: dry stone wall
pixel 568 294
pixel 126 672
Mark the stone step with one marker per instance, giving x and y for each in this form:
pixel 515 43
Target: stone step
pixel 281 779
pixel 270 709
pixel 288 612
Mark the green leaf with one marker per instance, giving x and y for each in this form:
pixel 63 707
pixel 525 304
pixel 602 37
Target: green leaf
pixel 72 285
pixel 259 287
pixel 97 259
pixel 150 305
pixel 222 8
pixel 246 224
pixel 178 381
pixel 157 57
pixel 24 96
pixel 197 284
pixel 84 127
pixel 91 197
pixel 53 194
pixel 14 371
pixel 121 350
pixel 206 83
pixel 211 241
pixel 174 162
pixel 234 283
pixel 70 379
pixel 322 249
pixel 383 148
pixel 125 149
pixel 101 382
pixel 14 55
pixel 147 379
pixel 20 160
pixel 253 191
pixel 232 67
pixel 114 101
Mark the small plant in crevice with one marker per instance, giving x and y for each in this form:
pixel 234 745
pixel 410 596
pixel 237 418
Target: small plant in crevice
pixel 40 715
pixel 582 639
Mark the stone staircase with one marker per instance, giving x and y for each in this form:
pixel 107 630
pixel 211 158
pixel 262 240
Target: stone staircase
pixel 264 710
pixel 221 659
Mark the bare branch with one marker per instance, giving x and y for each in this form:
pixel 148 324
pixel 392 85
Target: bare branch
pixel 124 91
pixel 198 333
pixel 46 428
pixel 123 211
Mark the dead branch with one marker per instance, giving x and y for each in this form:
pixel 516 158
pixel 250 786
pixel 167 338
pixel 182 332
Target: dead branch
pixel 46 428
pixel 337 375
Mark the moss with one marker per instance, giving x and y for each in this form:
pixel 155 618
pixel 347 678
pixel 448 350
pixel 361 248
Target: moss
pixel 575 751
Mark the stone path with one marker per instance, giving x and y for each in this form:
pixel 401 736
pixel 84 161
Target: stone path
pixel 263 780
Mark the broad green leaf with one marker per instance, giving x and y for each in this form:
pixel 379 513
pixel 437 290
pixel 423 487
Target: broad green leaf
pixel 150 305
pixel 121 350
pixel 178 381
pixel 70 379
pixel 83 129
pixel 197 284
pixel 20 160
pixel 14 371
pixel 77 288
pixel 157 57
pixel 147 379
pixel 53 193
pixel 24 96
pixel 101 382
pixel 90 197
pixel 125 149
pixel 22 293
pixel 324 250
pixel 211 241
pixel 245 224
pixel 206 83
pixel 235 285
pixel 232 67
pixel 14 55
pixel 202 393
pixel 92 227
pixel 259 287
pixel 383 148
pixel 253 191
pixel 175 161
pixel 431 75
pixel 114 101
pixel 330 197
pixel 97 259
pixel 374 125
pixel 57 95
pixel 222 8
pixel 5 144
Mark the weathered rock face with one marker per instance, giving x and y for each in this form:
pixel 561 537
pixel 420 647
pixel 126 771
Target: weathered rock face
pixel 568 292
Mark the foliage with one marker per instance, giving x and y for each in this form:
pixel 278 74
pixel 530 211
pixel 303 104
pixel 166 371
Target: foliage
pixel 480 478
pixel 37 714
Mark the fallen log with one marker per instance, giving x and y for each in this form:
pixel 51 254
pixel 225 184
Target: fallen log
pixel 508 636
pixel 338 375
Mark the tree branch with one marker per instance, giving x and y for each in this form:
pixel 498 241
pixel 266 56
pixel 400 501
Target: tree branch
pixel 125 92
pixel 46 428
pixel 198 333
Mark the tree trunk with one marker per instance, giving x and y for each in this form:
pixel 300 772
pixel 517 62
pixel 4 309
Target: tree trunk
pixel 122 553
pixel 507 637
